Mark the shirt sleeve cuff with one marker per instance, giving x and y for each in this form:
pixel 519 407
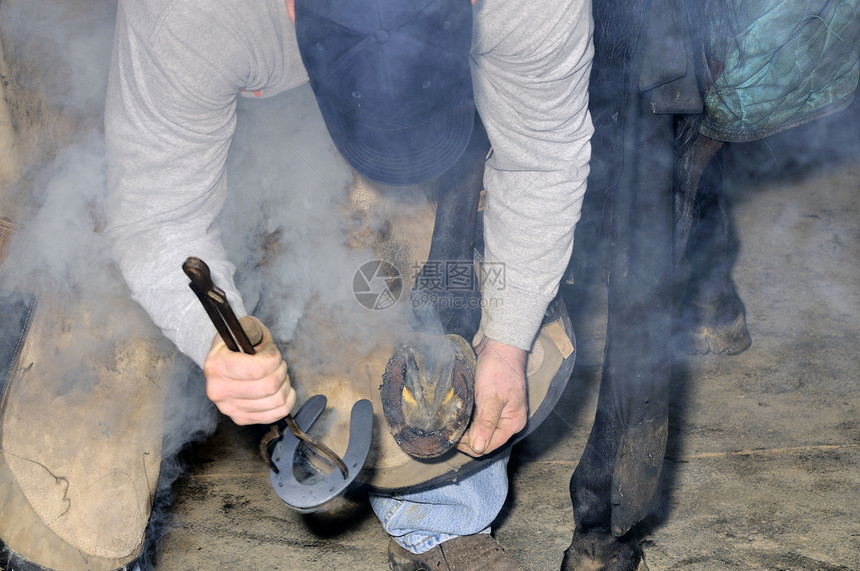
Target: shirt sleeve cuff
pixel 513 316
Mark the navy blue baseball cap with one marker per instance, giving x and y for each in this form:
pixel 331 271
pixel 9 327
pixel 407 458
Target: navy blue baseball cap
pixel 392 81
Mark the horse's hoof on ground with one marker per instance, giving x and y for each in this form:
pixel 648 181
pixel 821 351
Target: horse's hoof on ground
pixel 719 327
pixel 598 551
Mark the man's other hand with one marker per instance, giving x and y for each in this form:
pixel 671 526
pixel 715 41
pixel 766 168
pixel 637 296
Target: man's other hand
pixel 501 408
pixel 250 389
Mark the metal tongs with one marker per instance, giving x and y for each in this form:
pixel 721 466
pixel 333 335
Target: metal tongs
pixel 311 493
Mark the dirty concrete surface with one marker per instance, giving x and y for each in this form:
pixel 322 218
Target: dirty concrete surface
pixel 764 451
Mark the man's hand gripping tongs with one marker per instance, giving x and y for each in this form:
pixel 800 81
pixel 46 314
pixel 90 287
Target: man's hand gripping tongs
pixel 279 447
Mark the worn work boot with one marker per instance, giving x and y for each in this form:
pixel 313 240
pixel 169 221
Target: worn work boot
pixel 479 552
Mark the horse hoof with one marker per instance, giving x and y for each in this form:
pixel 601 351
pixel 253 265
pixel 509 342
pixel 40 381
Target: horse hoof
pixel 717 327
pixel 599 551
pixel 428 393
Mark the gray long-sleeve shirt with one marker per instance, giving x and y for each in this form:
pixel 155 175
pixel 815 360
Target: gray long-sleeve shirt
pixel 178 67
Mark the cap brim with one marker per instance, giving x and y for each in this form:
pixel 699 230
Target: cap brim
pixel 410 155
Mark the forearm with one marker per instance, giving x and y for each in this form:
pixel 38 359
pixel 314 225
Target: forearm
pixel 526 254
pixel 155 222
pixel 151 260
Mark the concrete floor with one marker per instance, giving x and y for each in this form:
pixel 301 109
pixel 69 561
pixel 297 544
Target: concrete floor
pixel 764 451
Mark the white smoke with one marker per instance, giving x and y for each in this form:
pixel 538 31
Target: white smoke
pixel 287 182
pixel 68 45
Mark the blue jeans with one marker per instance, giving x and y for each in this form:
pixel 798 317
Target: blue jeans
pixel 419 521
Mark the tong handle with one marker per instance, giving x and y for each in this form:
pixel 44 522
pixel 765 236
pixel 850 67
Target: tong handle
pixel 235 335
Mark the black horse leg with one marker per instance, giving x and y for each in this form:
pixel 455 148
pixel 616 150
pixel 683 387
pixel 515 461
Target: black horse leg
pixel 445 300
pixel 616 482
pixel 446 295
pixel 712 314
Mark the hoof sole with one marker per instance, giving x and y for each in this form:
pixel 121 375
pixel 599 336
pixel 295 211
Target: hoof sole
pixel 428 394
